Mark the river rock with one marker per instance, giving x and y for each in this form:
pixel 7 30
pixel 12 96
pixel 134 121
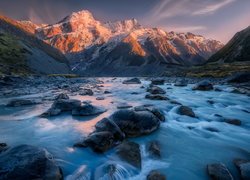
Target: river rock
pixel 156 90
pixel 240 78
pixel 156 97
pixel 132 81
pixel 62 96
pixel 107 124
pixel 22 102
pixel 219 172
pixel 98 141
pixel 28 162
pixel 154 149
pixel 3 147
pixel 244 167
pixel 203 86
pixel 107 92
pixel 158 81
pixel 135 123
pixel 130 152
pixel 124 106
pixel 88 110
pixel 235 122
pixel 155 175
pixel 157 112
pixel 181 83
pixel 184 110
pixel 86 92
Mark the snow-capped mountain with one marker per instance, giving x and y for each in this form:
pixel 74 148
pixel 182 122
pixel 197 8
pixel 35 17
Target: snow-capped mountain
pixel 94 46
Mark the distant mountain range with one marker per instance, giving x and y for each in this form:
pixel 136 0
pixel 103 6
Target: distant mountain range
pixel 21 52
pixel 123 47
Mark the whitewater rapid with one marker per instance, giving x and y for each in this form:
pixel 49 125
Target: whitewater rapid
pixel 186 144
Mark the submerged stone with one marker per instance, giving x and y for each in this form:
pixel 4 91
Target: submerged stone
pixel 184 110
pixel 219 172
pixel 155 175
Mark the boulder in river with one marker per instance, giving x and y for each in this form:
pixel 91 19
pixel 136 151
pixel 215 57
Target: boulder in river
pixel 203 86
pixel 154 149
pixel 244 167
pixel 132 81
pixel 157 112
pixel 184 110
pixel 22 102
pixel 62 96
pixel 156 97
pixel 219 171
pixel 88 110
pixel 156 90
pixel 130 153
pixel 235 122
pixel 3 147
pixel 157 81
pixel 86 92
pixel 28 162
pixel 98 141
pixel 181 83
pixel 156 175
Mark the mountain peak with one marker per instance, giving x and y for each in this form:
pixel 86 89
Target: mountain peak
pixel 83 15
pixel 123 26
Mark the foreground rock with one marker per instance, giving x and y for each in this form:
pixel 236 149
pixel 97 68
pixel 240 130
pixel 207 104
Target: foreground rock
pixel 187 111
pixel 132 81
pixel 156 90
pixel 28 162
pixel 203 86
pixel 158 81
pixel 244 167
pixel 130 152
pixel 22 102
pixel 88 110
pixel 156 97
pixel 219 172
pixel 86 92
pixel 155 175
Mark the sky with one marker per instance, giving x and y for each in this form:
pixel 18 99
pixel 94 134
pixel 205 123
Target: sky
pixel 217 19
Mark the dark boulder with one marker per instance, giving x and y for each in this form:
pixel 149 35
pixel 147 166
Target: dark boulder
pixel 184 110
pixel 219 172
pixel 181 83
pixel 157 112
pixel 124 106
pixel 154 149
pixel 62 96
pixel 87 110
pixel 3 147
pixel 158 81
pixel 86 92
pixel 135 123
pixel 155 175
pixel 156 90
pixel 244 167
pixel 235 122
pixel 130 153
pixel 240 78
pixel 132 81
pixel 107 92
pixel 98 141
pixel 156 97
pixel 108 125
pixel 100 98
pixel 28 162
pixel 203 86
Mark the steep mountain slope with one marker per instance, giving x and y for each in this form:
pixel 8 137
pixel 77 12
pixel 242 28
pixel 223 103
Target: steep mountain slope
pixel 21 52
pixel 237 49
pixel 123 46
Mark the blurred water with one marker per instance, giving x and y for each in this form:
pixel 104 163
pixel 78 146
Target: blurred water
pixel 186 145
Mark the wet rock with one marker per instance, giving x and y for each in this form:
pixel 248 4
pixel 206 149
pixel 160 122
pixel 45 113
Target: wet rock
pixel 62 96
pixel 212 129
pixel 86 92
pixel 132 81
pixel 123 106
pixel 98 141
pixel 100 98
pixel 107 92
pixel 203 86
pixel 22 102
pixel 158 81
pixel 240 78
pixel 210 101
pixel 244 167
pixel 219 172
pixel 107 124
pixel 154 149
pixel 187 111
pixel 157 112
pixel 3 147
pixel 88 110
pixel 235 122
pixel 181 83
pixel 156 97
pixel 175 102
pixel 135 123
pixel 130 152
pixel 28 162
pixel 155 175
pixel 156 90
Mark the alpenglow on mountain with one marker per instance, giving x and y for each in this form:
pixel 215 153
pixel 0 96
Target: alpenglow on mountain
pixel 123 47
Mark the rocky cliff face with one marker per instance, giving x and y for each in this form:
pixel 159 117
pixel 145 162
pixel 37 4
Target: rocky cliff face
pixel 94 46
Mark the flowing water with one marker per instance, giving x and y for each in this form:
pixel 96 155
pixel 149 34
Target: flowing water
pixel 187 145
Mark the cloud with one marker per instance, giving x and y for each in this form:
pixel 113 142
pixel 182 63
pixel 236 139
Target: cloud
pixel 209 9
